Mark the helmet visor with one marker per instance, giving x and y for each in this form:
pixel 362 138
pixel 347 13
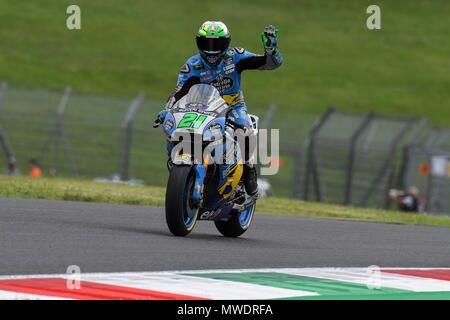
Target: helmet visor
pixel 212 44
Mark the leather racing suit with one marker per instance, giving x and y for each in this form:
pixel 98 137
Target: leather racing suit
pixel 226 78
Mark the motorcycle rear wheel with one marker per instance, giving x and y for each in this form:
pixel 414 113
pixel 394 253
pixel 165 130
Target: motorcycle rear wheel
pixel 237 224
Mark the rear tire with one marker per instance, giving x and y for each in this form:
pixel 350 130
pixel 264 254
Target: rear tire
pixel 178 200
pixel 237 224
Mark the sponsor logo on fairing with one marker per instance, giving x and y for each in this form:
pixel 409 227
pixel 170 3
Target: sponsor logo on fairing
pixel 169 124
pixel 195 109
pixel 209 215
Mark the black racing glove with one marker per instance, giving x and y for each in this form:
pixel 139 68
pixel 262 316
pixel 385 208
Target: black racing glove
pixel 160 118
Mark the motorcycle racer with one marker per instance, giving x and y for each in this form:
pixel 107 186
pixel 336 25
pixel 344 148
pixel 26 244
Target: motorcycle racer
pixel 220 65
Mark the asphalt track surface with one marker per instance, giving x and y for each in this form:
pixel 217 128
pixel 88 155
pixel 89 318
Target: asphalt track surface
pixel 45 237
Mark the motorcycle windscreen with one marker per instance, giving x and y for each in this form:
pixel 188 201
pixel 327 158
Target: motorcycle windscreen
pixel 202 94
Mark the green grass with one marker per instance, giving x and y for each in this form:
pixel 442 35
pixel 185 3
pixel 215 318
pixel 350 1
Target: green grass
pixel 80 190
pixel 330 56
pixel 125 47
pixel 83 190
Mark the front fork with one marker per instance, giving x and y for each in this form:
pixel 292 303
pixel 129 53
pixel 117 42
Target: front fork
pixel 200 173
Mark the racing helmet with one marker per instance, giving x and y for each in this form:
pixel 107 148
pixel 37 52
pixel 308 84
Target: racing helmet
pixel 213 40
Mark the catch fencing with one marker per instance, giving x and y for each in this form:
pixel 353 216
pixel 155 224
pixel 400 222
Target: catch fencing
pixel 335 157
pixel 351 158
pixel 80 135
pixel 427 166
pixel 74 134
pixel 355 159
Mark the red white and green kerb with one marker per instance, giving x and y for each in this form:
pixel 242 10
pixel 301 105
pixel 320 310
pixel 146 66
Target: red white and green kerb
pixel 243 284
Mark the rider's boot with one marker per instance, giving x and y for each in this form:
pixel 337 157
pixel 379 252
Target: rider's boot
pixel 251 181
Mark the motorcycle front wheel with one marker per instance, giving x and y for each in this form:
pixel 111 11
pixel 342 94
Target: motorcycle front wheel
pixel 181 214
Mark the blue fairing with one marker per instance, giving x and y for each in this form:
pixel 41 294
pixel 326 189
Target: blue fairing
pixel 218 204
pixel 169 123
pixel 207 134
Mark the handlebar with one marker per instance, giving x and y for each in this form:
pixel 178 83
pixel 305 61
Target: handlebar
pixel 235 124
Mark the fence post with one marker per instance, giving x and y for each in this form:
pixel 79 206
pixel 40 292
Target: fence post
pixel 402 182
pixel 311 163
pixel 265 124
pixel 351 157
pixel 127 130
pixel 6 147
pixel 390 180
pixel 58 132
pixel 429 193
pixel 389 163
pixel 3 88
pixel 3 139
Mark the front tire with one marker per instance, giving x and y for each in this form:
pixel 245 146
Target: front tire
pixel 179 201
pixel 237 224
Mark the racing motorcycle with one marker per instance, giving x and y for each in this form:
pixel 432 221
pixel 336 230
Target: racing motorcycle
pixel 206 165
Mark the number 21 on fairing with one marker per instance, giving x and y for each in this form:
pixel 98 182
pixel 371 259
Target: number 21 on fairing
pixel 193 120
